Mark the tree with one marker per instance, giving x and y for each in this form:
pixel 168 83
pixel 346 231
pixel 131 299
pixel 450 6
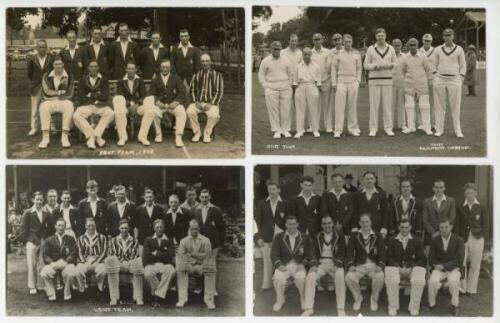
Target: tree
pixel 16 19
pixel 257 39
pixel 260 13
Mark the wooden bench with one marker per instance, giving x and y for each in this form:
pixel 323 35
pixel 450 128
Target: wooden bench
pixel 168 121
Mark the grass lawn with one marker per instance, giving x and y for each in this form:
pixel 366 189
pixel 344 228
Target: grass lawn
pixel 230 302
pixel 479 305
pixel 473 121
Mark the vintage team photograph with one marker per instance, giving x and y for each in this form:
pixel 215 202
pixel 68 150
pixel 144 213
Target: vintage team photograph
pixel 125 240
pixel 369 81
pixel 115 82
pixel 373 240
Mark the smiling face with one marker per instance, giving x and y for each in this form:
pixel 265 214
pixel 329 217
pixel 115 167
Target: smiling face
pixel 155 39
pixel 41 48
pixel 291 225
pixel 327 224
pixel 365 223
pixel 369 181
pixel 406 188
pixel 130 70
pixel 66 199
pixel 165 68
pixel 96 35
pixel 204 198
pixel 380 37
pixel 52 198
pixel 121 195
pixel 148 198
pixel 470 194
pixel 205 61
pixel 338 42
pixel 38 201
pixel 307 186
pixel 60 226
pixel 58 66
pixel 124 229
pixel 71 37
pixel 93 69
pixel 184 37
pixel 348 43
pixel 317 41
pixel 404 228
pixel 124 32
pixel 191 196
pixel 194 228
pixel 294 41
pixel 338 183
pixel 173 202
pixel 159 229
pixel 439 188
pixel 445 229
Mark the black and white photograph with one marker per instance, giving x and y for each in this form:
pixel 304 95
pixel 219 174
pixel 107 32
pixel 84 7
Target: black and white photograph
pixel 125 82
pixel 373 240
pixel 368 81
pixel 125 240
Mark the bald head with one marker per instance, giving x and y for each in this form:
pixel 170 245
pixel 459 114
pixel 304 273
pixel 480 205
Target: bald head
pixel 205 61
pixel 276 49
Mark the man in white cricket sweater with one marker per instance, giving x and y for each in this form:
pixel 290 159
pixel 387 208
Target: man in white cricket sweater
pixel 449 73
pixel 398 97
pixel 346 76
pixel 428 50
pixel 379 61
pixel 275 76
pixel 307 82
pixel 322 57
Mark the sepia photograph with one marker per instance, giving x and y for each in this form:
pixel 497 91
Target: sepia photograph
pixel 373 240
pixel 341 81
pixel 116 82
pixel 125 240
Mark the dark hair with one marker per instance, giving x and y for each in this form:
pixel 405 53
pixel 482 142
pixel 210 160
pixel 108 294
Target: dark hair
pixel 57 58
pixel 405 221
pixel 369 172
pixel 148 190
pixel 190 189
pixel 291 217
pixel 36 193
pixel 122 24
pixel 336 175
pixel 90 62
pixel 326 216
pixel 183 30
pixel 123 221
pixel 405 180
pixel 365 214
pixel 66 192
pixel 307 179
pixel 96 27
pixel 272 183
pixel 158 221
pixel 470 186
pixel 155 32
pixel 439 180
pixel 60 219
pixel 205 190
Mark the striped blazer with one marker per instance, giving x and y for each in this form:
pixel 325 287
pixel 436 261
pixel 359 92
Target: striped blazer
pixel 124 250
pixel 207 87
pixel 92 247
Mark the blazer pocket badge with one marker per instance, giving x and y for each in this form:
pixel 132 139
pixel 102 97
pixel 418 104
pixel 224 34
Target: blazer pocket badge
pixel 282 214
pixel 315 211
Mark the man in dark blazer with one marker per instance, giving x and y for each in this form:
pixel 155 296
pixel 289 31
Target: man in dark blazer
pixel 437 208
pixel 152 56
pixel 94 207
pixel 337 203
pixel 327 258
pixel 348 186
pixel 186 59
pixel 474 221
pixel 446 258
pixel 99 51
pixel 73 56
pixel 121 208
pixel 170 96
pixel 405 261
pixel 92 98
pixel 269 216
pixel 290 254
pixel 145 215
pixel 70 214
pixel 159 260
pixel 307 208
pixel 373 201
pixel 129 98
pixel 408 207
pixel 36 226
pixel 38 65
pixel 365 256
pixel 121 51
pixel 176 220
pixel 60 254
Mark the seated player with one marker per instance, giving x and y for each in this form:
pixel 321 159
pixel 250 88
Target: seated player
pixel 327 258
pixel 123 257
pixel 365 257
pixel 158 259
pixel 446 258
pixel 405 260
pixel 57 92
pixel 290 253
pixel 193 257
pixel 206 90
pixel 92 250
pixel 59 255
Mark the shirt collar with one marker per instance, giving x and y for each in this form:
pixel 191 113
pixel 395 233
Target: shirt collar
pixel 33 209
pixel 53 73
pixel 98 198
pixel 341 192
pixel 60 235
pixel 401 238
pixel 375 190
pixel 129 237
pixel 152 205
pixel 279 198
pixel 446 239
pixel 402 198
pixel 188 46
pixel 127 201
pixel 67 47
pixel 179 210
pixel 125 78
pixel 294 236
pixel 70 207
pixel 200 206
pixel 163 237
pixel 318 51
pixel 302 194
pixel 88 235
pixel 100 43
pixel 475 202
pixel 98 76
pixel 129 40
pixel 434 198
pixel 160 46
pixel 370 234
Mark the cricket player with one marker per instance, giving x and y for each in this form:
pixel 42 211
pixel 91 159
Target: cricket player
pixel 57 92
pixel 322 57
pixel 365 257
pixel 193 257
pixel 290 254
pixel 379 61
pixel 417 75
pixel 206 90
pixel 60 254
pixel 275 76
pixel 446 258
pixel 337 202
pixel 398 107
pixel 449 67
pixel 123 257
pixel 307 84
pixel 292 53
pixel 428 50
pixel 475 228
pixel 405 261
pixel 327 258
pixel 346 77
pixel 159 260
pixel 92 248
